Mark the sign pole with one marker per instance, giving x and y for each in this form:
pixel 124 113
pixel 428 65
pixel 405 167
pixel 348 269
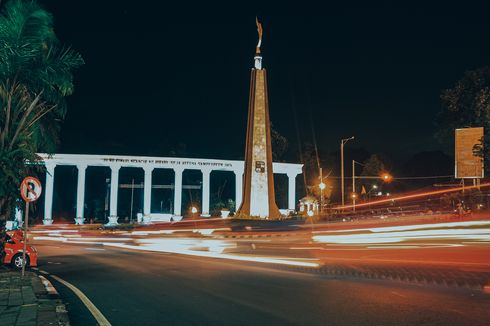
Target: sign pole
pixel 30 190
pixel 26 221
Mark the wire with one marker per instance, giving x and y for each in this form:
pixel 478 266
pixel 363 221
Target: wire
pixel 398 178
pixel 429 177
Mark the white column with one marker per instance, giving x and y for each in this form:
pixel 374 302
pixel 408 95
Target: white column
pixel 114 190
pixel 147 191
pixel 80 193
pixel 238 189
pixel 292 191
pixel 206 185
pixel 178 192
pixel 48 197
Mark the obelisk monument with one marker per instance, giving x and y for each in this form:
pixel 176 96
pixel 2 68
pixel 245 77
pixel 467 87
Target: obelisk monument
pixel 258 184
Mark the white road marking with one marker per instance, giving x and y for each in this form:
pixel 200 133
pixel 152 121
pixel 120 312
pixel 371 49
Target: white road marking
pixel 94 248
pixel 99 317
pixel 47 284
pixel 486 288
pixel 398 294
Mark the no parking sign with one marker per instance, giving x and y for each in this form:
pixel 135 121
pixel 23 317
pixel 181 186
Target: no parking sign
pixel 30 189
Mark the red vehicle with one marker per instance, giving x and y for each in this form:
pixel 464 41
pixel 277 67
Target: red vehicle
pixel 13 248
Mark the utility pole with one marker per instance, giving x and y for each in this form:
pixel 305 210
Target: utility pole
pixel 354 186
pixel 321 190
pixel 342 143
pixel 132 195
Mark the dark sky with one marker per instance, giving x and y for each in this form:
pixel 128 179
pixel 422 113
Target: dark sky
pixel 157 74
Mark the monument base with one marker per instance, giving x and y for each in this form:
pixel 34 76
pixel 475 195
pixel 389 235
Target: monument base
pixel 47 221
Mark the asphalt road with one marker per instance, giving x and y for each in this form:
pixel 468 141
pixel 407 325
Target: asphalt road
pixel 146 288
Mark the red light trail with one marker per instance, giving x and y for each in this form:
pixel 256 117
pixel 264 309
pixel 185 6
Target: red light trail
pixel 412 196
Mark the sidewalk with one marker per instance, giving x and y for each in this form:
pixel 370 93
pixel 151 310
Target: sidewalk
pixel 26 301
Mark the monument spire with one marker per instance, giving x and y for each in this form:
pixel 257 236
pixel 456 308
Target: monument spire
pixel 258 56
pixel 258 183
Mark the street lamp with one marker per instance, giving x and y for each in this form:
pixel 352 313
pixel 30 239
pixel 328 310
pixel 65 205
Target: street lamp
pixel 374 187
pixel 386 177
pixel 354 196
pixel 322 186
pixel 342 143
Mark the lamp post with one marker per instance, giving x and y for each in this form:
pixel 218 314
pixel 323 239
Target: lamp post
pixel 374 187
pixel 354 184
pixel 322 186
pixel 342 143
pixel 132 196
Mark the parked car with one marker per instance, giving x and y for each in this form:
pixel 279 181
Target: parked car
pixel 13 247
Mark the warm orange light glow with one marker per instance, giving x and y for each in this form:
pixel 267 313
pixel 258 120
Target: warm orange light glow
pixel 354 195
pixel 412 196
pixel 322 186
pixel 386 177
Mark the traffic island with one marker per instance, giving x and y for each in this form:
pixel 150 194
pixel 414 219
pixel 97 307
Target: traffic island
pixel 26 301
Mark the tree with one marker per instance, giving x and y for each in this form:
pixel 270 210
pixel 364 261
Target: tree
pixel 373 166
pixel 35 76
pixel 279 145
pixel 467 104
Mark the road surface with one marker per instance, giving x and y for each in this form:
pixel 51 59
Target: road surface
pixel 150 288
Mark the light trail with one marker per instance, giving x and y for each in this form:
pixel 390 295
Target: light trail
pixel 475 231
pixel 412 196
pixel 213 253
pixel 412 227
pixel 209 248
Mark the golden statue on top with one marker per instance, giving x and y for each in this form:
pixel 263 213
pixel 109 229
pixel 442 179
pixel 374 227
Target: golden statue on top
pixel 259 30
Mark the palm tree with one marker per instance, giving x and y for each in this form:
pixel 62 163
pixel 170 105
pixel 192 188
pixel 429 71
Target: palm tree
pixel 35 76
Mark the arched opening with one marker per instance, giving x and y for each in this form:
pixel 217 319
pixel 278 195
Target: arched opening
pixel 130 195
pixel 97 194
pixel 162 192
pixel 191 192
pixel 222 192
pixel 281 190
pixel 65 193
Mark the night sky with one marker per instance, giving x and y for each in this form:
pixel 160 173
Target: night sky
pixel 159 74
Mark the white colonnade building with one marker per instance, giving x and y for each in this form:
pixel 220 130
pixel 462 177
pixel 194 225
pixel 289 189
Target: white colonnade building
pixel 148 164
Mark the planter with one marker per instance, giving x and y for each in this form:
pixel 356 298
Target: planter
pixel 225 213
pixel 112 221
pixel 146 219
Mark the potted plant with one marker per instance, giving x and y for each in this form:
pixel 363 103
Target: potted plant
pixel 225 212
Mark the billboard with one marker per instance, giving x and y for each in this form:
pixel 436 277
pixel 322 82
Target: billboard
pixel 467 164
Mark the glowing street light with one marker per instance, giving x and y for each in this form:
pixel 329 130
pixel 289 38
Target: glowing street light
pixel 386 177
pixel 322 186
pixel 193 210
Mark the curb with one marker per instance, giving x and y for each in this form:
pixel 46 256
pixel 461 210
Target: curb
pixel 476 281
pixel 49 292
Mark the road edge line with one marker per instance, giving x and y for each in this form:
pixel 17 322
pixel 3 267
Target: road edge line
pixel 86 301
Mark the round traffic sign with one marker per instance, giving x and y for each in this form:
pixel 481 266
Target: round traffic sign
pixel 30 189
